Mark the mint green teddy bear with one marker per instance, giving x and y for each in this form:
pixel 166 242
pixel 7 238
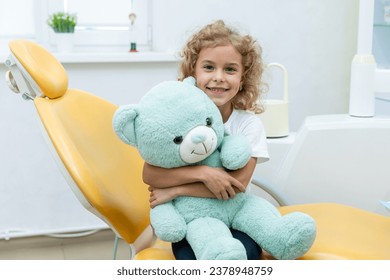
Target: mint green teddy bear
pixel 175 124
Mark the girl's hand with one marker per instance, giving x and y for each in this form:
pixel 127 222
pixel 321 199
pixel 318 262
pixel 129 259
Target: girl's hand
pixel 159 196
pixel 221 183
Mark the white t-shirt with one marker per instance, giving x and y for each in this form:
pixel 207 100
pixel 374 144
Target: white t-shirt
pixel 248 124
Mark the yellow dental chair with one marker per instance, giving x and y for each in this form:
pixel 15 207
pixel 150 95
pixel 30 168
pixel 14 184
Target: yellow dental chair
pixel 106 174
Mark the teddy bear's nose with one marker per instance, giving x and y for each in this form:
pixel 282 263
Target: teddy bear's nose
pixel 198 138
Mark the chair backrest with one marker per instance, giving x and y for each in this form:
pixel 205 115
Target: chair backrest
pixel 105 173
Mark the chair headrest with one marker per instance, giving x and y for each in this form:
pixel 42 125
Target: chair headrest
pixel 42 67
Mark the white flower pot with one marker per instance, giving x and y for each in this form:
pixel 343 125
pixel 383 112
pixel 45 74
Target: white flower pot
pixel 64 42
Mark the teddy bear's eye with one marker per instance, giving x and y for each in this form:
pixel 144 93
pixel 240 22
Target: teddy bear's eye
pixel 208 121
pixel 178 139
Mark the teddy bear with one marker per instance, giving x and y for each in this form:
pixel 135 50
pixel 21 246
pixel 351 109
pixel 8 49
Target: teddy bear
pixel 175 124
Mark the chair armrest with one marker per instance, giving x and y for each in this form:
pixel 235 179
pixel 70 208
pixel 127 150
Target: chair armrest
pixel 269 189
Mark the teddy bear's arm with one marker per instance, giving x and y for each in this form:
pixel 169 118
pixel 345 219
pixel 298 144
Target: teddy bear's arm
pixel 235 152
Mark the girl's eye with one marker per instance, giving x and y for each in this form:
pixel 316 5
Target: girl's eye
pixel 231 69
pixel 178 140
pixel 208 67
pixel 209 122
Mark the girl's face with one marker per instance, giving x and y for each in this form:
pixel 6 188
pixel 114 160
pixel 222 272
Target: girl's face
pixel 218 72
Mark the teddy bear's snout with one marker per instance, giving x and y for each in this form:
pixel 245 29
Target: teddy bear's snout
pixel 198 138
pixel 198 144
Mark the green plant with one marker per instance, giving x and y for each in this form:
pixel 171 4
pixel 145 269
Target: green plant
pixel 62 22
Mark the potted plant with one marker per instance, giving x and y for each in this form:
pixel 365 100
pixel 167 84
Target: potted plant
pixel 63 25
pixel 62 22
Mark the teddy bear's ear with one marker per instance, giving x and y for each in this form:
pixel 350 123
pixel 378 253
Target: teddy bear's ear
pixel 123 123
pixel 190 80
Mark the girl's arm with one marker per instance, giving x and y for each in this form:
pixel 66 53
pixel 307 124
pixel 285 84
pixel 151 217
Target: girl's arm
pixel 160 195
pixel 217 180
pixel 244 175
pixel 165 178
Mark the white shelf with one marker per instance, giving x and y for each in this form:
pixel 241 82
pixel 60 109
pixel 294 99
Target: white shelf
pixel 288 140
pixel 111 57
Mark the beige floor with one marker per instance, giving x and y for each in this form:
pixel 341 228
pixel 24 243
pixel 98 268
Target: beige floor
pixel 98 246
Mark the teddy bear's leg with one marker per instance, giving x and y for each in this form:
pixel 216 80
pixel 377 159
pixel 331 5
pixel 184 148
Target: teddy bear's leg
pixel 167 223
pixel 284 237
pixel 211 239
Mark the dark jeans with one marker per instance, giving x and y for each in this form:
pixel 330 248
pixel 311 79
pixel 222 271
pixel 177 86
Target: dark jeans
pixel 183 251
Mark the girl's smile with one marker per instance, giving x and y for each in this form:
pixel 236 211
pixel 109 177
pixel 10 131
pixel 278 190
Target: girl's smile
pixel 216 90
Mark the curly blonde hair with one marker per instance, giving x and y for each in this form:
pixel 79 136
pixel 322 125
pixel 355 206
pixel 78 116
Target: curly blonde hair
pixel 218 34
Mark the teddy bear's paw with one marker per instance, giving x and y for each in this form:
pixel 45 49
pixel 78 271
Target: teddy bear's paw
pixel 294 236
pixel 235 152
pixel 171 235
pixel 225 248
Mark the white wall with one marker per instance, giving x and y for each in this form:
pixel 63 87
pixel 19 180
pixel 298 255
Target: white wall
pixel 120 83
pixel 315 40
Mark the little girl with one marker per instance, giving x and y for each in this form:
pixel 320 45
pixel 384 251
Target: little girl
pixel 228 67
